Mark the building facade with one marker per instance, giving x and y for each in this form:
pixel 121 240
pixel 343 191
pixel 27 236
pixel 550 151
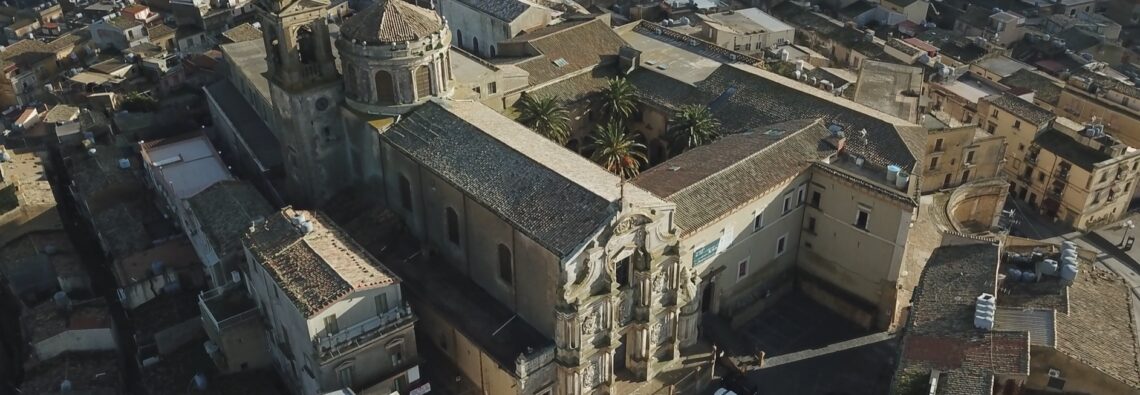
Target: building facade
pixel 956 155
pixel 337 316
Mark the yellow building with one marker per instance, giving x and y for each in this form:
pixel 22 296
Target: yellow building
pixel 958 154
pixel 1090 97
pixel 1078 174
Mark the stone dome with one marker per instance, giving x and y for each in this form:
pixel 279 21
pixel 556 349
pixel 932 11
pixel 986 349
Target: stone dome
pixel 391 21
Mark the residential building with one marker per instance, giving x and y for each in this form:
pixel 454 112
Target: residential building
pixel 120 32
pixel 477 26
pixel 996 68
pixel 1089 97
pixel 337 317
pixel 180 167
pixel 215 220
pixel 960 97
pixel 748 31
pixel 1044 335
pixel 1015 119
pixel 958 154
pixel 1045 90
pixel 1078 174
pixel 910 10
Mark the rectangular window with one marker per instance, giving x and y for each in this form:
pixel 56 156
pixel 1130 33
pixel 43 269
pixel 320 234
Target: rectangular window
pixel 621 270
pixel 800 195
pixel 758 222
pixel 344 376
pixel 1017 124
pixel 816 197
pixel 970 157
pixel 933 163
pixel 1041 177
pixel 381 304
pixel 862 218
pixel 811 225
pixel 938 145
pixel 781 245
pixel 492 88
pixel 990 127
pixel 994 114
pixel 742 269
pixel 396 352
pixel 331 325
pixel 787 203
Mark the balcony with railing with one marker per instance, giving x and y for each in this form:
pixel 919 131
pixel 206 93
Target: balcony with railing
pixel 363 333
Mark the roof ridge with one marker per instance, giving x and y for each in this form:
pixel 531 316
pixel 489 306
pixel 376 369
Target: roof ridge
pixel 752 155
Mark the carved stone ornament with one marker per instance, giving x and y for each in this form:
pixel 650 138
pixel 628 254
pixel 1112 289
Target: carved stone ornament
pixel 625 225
pixel 655 332
pixel 590 374
pixel 590 322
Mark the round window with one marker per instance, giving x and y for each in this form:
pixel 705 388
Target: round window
pixel 322 104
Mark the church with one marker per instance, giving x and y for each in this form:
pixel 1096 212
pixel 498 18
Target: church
pixel 531 269
pixel 534 271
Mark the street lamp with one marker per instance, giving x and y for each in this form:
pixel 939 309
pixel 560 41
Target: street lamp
pixel 1128 226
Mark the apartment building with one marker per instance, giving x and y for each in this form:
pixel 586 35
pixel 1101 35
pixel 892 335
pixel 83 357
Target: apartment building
pixel 337 317
pixel 1078 174
pixel 1016 120
pixel 958 154
pixel 1090 97
pixel 748 31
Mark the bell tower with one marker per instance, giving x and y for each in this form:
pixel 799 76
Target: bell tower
pixel 306 92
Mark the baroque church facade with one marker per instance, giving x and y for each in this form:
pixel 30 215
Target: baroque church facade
pixel 601 286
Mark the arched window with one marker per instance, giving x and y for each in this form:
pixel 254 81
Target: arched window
pixel 384 92
pixel 506 266
pixel 423 83
pixel 475 45
pixel 405 193
pixel 493 51
pixel 452 226
pixel 459 38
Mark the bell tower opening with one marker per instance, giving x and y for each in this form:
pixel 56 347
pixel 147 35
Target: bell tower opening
pixel 306 52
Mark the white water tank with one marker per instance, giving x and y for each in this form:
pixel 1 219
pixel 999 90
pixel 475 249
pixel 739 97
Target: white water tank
pixel 902 179
pixel 893 172
pixel 1047 267
pixel 1068 274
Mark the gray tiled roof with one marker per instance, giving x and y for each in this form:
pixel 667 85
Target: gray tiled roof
pixel 579 86
pixel 1021 108
pixel 225 211
pixel 940 333
pixel 1069 149
pixel 506 10
pixel 317 268
pixel 252 130
pixel 944 298
pixel 1098 328
pixel 580 45
pixel 709 181
pixel 1044 88
pixel 549 208
pixel 392 21
pixel 744 100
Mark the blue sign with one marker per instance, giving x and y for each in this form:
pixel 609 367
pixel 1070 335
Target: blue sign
pixel 704 253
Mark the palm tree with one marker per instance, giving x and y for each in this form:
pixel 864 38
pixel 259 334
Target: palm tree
pixel 545 115
pixel 618 99
pixel 616 150
pixel 693 126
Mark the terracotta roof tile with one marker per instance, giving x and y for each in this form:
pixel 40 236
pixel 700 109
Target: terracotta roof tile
pixel 391 21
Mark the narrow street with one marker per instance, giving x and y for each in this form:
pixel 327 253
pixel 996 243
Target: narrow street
pixel 87 246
